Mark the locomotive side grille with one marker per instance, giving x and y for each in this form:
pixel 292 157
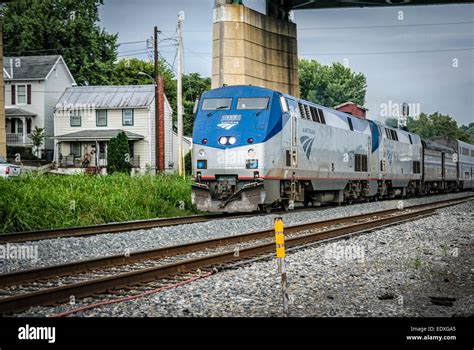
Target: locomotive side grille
pixel 360 162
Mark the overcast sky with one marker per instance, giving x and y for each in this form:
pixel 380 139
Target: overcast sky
pixel 439 78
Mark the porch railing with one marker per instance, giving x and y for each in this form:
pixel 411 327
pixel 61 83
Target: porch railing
pixel 19 139
pixel 135 161
pixel 71 161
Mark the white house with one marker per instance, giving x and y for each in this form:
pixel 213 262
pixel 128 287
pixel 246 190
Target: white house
pixel 186 146
pixel 33 85
pixel 87 117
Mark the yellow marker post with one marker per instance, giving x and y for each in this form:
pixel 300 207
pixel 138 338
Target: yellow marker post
pixel 280 252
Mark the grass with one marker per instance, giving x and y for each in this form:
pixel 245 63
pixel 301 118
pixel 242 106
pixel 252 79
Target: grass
pixel 34 202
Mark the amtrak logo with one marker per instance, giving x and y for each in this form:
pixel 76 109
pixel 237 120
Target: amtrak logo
pixel 228 121
pixel 226 126
pixel 307 144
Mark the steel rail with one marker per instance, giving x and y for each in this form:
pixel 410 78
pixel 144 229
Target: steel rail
pixel 18 277
pixel 63 293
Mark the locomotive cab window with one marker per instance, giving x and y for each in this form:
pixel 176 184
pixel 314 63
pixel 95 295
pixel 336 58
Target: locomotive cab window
pixel 253 103
pixel 212 104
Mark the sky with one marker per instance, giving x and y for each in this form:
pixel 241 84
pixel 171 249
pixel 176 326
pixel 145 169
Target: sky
pixel 423 56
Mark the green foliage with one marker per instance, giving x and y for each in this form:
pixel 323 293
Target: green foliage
pixel 188 166
pixel 126 73
pixel 416 264
pixel 34 202
pixel 26 153
pixel 330 85
pixel 193 87
pixel 37 136
pixel 438 124
pixel 118 155
pixel 392 122
pixel 61 27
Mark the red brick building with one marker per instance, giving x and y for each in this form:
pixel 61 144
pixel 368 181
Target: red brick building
pixel 352 108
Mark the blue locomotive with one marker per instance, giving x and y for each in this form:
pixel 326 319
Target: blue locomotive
pixel 258 149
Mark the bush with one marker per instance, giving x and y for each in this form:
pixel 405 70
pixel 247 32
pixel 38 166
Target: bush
pixel 26 153
pixel 188 166
pixel 34 202
pixel 118 155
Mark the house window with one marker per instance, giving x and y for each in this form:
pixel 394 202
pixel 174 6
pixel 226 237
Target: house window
pixel 76 149
pixel 101 117
pixel 127 117
pixel 21 94
pixel 75 117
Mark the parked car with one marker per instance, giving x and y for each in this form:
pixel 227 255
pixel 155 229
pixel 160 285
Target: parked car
pixel 7 169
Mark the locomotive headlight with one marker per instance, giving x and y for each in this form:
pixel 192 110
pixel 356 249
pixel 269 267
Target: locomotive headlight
pixel 232 140
pixel 201 153
pixel 223 140
pixel 251 153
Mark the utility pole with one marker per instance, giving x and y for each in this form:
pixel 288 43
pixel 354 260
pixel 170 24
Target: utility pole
pixel 159 132
pixel 180 94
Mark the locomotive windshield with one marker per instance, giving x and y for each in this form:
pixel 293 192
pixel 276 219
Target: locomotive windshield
pixel 253 103
pixel 212 104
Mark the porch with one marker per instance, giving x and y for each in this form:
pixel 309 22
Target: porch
pixel 88 149
pixel 18 127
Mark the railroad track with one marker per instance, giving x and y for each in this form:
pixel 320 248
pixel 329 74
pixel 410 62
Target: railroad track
pixel 56 284
pixel 116 227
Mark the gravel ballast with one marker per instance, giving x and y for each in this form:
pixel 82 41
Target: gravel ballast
pixel 419 268
pixel 64 250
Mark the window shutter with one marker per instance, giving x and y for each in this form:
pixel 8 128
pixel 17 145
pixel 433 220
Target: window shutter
pixel 28 94
pixel 13 94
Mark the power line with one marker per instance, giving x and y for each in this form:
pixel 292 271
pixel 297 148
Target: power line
pixel 384 52
pixel 72 48
pixel 388 26
pixel 355 27
pixel 201 54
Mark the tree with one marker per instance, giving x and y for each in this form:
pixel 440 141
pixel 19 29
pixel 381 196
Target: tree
pixel 436 124
pixel 37 137
pixel 118 155
pixel 61 27
pixel 392 122
pixel 125 72
pixel 330 85
pixel 467 130
pixel 193 87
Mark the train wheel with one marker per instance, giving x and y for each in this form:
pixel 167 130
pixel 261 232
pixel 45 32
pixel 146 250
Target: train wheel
pixel 262 208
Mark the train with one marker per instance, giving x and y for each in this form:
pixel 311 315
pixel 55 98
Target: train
pixel 256 149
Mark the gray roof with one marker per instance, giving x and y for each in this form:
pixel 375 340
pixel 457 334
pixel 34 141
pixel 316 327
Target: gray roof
pixel 29 67
pixel 123 96
pixel 100 135
pixel 18 112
